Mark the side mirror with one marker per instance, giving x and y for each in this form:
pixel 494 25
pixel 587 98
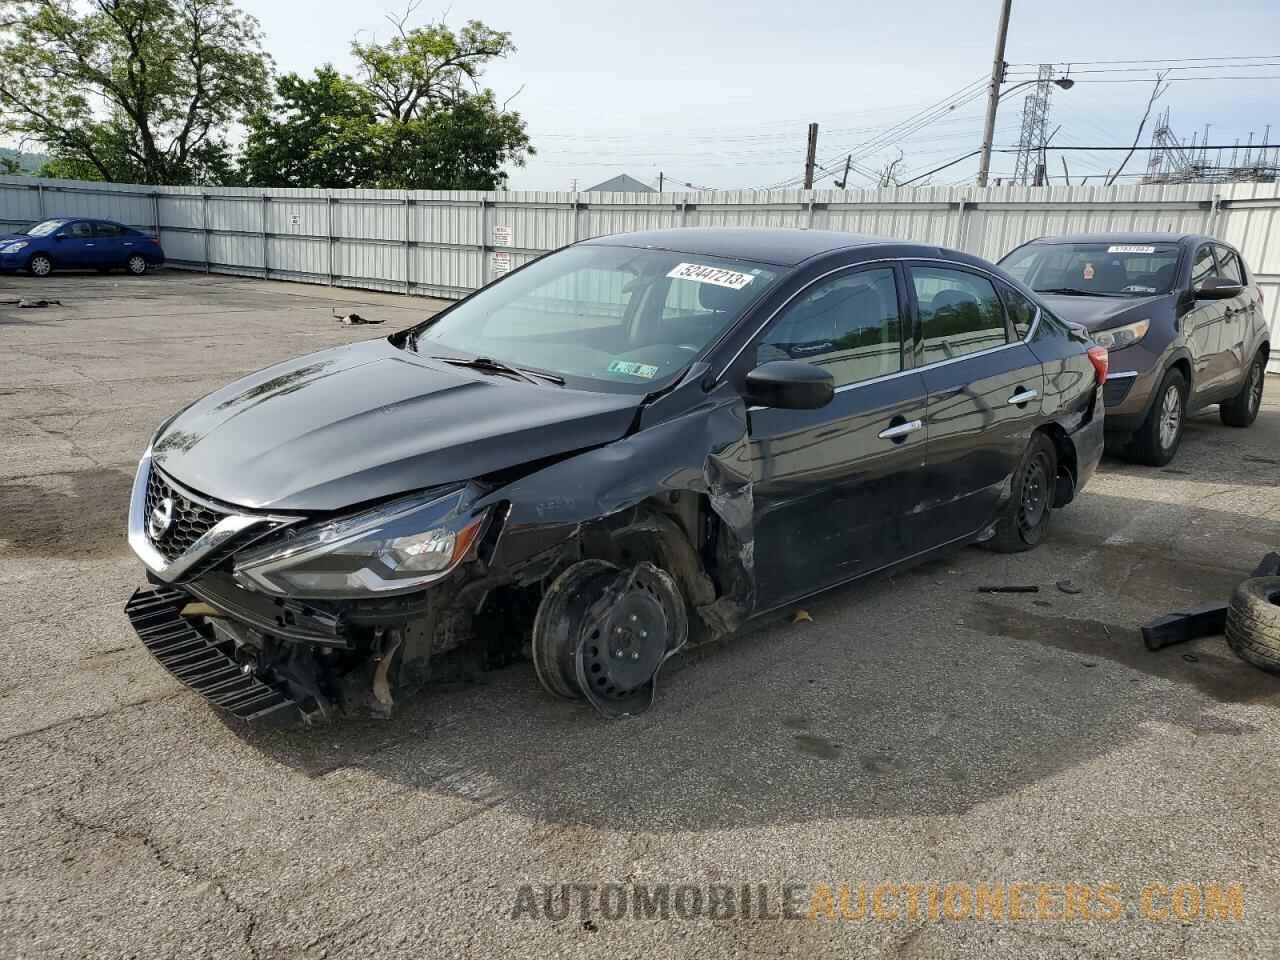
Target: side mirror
pixel 790 385
pixel 1215 288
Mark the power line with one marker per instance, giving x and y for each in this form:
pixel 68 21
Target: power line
pixel 1089 63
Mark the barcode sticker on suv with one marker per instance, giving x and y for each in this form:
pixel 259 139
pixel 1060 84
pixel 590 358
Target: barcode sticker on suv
pixel 703 274
pixel 1130 248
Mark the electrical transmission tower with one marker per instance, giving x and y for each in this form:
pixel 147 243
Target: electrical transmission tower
pixel 1035 129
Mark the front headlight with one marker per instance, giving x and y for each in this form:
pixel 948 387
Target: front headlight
pixel 13 246
pixel 1118 337
pixel 396 548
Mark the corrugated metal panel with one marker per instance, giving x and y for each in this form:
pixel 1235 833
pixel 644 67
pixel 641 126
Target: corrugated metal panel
pixel 442 242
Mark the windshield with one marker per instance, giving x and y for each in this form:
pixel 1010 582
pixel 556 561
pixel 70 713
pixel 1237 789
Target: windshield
pixel 1106 269
pixel 624 317
pixel 44 228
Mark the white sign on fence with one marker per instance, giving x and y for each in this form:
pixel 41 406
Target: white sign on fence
pixel 503 236
pixel 501 264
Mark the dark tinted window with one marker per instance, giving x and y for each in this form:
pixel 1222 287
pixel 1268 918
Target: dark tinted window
pixel 1229 265
pixel 1202 267
pixel 959 313
pixel 103 229
pixel 849 325
pixel 1022 312
pixel 81 230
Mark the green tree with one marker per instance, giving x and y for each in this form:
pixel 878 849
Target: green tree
pixel 414 116
pixel 131 90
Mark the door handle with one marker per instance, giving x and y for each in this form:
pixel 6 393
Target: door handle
pixel 899 431
pixel 1018 399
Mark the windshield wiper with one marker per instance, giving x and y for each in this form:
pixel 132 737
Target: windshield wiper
pixel 1073 292
pixel 497 366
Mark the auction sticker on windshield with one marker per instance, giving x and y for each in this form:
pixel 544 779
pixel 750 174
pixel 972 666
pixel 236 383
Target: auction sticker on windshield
pixel 646 370
pixel 699 273
pixel 1130 248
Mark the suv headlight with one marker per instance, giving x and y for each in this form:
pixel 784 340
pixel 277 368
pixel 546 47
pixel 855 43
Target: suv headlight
pixel 13 246
pixel 1118 337
pixel 394 548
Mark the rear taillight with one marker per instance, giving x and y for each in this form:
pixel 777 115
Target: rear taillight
pixel 1101 361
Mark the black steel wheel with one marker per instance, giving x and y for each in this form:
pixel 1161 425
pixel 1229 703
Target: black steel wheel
pixel 602 633
pixel 1025 519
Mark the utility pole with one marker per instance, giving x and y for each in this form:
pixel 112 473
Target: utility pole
pixel 659 181
pixel 848 161
pixel 811 156
pixel 993 93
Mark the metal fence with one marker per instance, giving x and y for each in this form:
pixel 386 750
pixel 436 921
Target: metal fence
pixel 447 243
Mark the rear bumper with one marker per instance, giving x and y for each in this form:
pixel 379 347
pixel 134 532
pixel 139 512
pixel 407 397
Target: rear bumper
pixel 205 665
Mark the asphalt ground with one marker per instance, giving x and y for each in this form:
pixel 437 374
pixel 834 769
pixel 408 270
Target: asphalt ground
pixel 914 732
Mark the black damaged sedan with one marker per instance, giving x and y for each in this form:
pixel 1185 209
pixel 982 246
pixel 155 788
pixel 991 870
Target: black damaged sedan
pixel 633 443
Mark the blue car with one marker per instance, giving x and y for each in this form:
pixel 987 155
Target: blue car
pixel 70 244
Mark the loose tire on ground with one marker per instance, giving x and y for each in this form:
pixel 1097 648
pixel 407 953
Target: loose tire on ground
pixel 1156 442
pixel 1242 409
pixel 1026 516
pixel 1253 623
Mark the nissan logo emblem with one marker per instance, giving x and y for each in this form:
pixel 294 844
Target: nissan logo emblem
pixel 161 517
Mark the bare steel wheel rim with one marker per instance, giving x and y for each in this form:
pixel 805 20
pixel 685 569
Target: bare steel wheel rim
pixel 41 266
pixel 1035 489
pixel 1255 387
pixel 137 264
pixel 1170 416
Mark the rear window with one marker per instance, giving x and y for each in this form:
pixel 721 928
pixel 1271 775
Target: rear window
pixel 1103 269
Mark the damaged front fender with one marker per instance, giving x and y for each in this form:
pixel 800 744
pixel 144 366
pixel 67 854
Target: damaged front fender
pixel 690 442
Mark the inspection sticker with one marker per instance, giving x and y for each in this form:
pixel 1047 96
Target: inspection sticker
pixel 703 274
pixel 631 369
pixel 1130 248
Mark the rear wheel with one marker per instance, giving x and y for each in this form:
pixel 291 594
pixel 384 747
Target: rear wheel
pixel 1242 409
pixel 1026 517
pixel 40 265
pixel 137 264
pixel 1156 442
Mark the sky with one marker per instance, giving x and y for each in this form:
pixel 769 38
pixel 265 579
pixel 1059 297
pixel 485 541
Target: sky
pixel 719 95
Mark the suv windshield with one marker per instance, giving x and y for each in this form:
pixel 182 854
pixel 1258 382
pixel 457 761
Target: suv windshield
pixel 1106 269
pixel 624 317
pixel 44 228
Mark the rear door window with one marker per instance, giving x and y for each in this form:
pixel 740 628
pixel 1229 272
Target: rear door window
pixel 1022 312
pixel 112 230
pixel 960 313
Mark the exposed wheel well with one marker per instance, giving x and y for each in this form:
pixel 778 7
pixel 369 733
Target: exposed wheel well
pixel 1183 366
pixel 1064 489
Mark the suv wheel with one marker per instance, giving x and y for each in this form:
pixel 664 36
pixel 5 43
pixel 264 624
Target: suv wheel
pixel 40 265
pixel 1242 409
pixel 1025 519
pixel 1157 440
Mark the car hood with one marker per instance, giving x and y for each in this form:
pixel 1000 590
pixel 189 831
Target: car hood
pixel 366 421
pixel 1101 313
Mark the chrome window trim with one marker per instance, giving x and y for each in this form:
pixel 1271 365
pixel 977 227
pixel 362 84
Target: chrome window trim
pixel 1035 324
pixel 232 525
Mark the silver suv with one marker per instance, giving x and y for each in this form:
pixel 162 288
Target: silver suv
pixel 1180 316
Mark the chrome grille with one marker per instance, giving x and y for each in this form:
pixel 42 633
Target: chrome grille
pixel 191 520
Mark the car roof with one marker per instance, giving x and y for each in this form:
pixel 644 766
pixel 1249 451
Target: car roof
pixel 1124 237
pixel 776 245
